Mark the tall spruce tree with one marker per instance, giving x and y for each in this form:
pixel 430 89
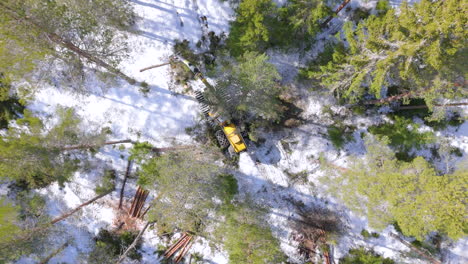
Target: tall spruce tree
pixel 420 50
pixel 412 193
pixel 250 30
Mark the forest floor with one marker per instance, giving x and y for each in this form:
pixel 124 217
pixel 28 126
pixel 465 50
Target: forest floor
pixel 161 118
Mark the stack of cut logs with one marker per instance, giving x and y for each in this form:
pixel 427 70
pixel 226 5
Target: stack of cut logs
pixel 183 244
pixel 138 202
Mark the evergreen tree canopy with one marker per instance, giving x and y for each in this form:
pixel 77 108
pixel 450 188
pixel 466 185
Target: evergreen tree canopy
pixel 409 193
pixel 8 215
pixel 33 154
pixel 247 239
pixel 421 50
pixel 28 31
pixel 187 184
pixel 250 30
pixel 10 106
pixel 363 256
pixel 304 17
pixel 251 88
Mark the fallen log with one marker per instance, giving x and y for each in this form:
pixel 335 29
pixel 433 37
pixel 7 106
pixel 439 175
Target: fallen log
pixel 345 2
pixel 415 249
pixel 154 66
pixel 88 146
pixel 58 219
pixel 124 255
pixel 54 253
pixel 410 107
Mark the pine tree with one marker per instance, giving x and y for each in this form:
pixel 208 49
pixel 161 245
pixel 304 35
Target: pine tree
pixel 31 153
pixel 17 220
pixel 8 215
pixel 186 185
pixel 251 88
pixel 409 193
pixel 421 50
pixel 10 106
pixel 74 31
pixel 246 238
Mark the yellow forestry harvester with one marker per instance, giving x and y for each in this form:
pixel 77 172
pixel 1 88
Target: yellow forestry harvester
pixel 229 135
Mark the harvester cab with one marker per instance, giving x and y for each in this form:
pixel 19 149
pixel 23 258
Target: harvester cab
pixel 229 132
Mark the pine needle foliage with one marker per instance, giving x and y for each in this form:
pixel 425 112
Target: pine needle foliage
pixel 403 134
pixel 250 88
pixel 304 18
pixel 246 239
pixel 250 30
pixel 421 49
pixel 32 153
pixel 187 186
pixel 363 256
pixel 27 28
pixel 412 193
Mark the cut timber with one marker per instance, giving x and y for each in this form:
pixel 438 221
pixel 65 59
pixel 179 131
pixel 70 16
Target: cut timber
pixel 415 249
pixel 138 202
pixel 154 66
pixel 178 245
pixel 345 2
pixel 127 172
pixel 184 250
pixel 137 194
pixel 142 203
pixel 175 244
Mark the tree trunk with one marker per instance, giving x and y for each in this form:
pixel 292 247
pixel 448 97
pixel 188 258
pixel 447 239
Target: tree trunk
pixel 417 250
pixel 54 253
pixel 86 146
pixel 122 257
pixel 408 107
pixel 67 44
pixel 390 99
pixel 58 219
pixel 172 148
pixel 129 165
pixel 154 66
pixel 345 2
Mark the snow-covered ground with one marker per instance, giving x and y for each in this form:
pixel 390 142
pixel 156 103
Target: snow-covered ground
pixel 162 117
